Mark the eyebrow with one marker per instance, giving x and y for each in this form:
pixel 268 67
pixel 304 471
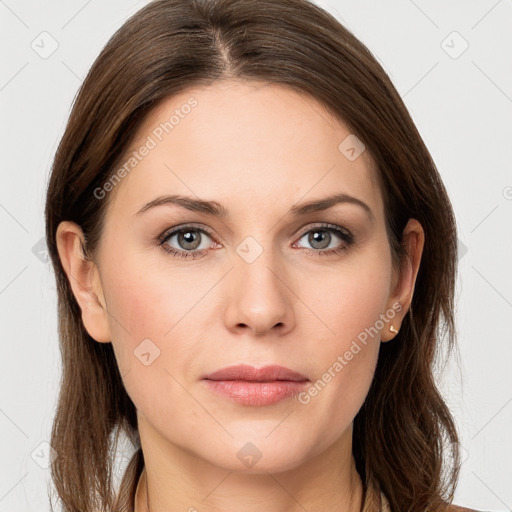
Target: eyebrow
pixel 216 209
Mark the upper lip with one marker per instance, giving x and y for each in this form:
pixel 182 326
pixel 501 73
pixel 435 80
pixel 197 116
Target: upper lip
pixel 250 373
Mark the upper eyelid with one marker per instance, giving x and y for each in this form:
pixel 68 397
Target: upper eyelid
pixel 327 226
pixel 176 229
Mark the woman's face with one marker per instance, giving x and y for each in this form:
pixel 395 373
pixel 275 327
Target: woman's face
pixel 269 282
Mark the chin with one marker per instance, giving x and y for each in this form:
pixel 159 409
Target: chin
pixel 255 456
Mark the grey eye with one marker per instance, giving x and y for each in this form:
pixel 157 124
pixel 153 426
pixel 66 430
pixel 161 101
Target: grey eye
pixel 188 239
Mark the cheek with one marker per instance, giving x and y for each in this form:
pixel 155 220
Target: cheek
pixel 142 309
pixel 153 318
pixel 349 299
pixel 351 307
pixel 148 300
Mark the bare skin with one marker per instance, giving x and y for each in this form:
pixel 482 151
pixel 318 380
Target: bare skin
pixel 258 150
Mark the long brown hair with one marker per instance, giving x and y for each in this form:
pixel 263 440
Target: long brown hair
pixel 404 437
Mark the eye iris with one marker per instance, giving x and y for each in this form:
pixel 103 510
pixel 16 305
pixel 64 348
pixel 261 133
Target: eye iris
pixel 188 239
pixel 322 236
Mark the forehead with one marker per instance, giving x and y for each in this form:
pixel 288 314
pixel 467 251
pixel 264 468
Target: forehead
pixel 246 144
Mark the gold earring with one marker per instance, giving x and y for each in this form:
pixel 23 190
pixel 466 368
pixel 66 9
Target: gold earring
pixel 392 329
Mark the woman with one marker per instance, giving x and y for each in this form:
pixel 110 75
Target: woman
pixel 255 258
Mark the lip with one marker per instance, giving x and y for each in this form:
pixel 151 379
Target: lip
pixel 250 373
pixel 248 385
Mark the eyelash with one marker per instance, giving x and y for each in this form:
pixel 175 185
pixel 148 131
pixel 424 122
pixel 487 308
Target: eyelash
pixel 344 234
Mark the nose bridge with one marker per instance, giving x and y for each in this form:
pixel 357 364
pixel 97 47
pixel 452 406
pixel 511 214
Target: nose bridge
pixel 259 298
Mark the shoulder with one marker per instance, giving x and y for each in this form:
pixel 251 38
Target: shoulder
pixel 457 508
pixel 445 508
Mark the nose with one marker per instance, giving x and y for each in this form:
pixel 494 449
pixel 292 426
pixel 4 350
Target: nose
pixel 259 297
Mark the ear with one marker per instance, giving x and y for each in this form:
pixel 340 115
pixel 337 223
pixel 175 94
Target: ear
pixel 84 280
pixel 403 285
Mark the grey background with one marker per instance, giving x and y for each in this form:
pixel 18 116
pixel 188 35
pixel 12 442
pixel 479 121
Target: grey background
pixel 461 101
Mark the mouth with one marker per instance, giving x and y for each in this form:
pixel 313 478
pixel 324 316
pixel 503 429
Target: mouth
pixel 248 385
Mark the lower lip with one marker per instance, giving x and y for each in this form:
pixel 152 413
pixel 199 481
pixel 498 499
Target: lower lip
pixel 256 393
